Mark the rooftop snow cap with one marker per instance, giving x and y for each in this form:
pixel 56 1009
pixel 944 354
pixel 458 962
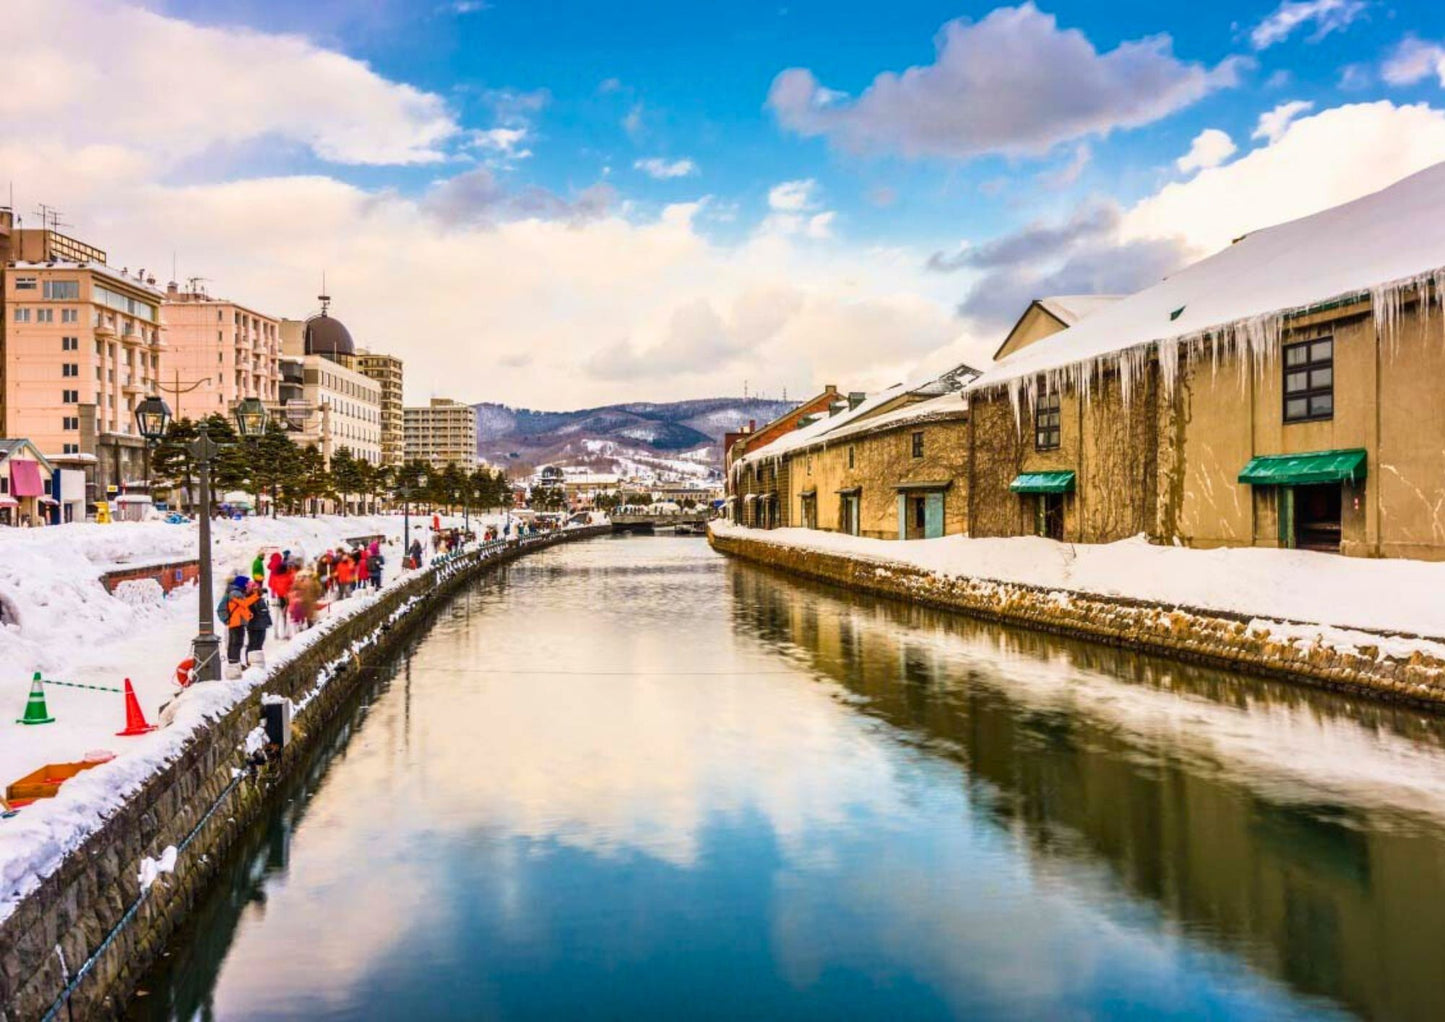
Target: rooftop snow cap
pixel 328 336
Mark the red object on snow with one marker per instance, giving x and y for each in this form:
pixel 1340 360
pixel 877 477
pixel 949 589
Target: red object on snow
pixel 135 720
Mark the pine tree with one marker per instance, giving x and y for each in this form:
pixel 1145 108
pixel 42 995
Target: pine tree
pixel 171 459
pixel 274 459
pixel 347 476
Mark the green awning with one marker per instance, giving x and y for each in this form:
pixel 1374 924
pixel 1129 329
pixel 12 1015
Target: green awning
pixel 1304 469
pixel 1043 482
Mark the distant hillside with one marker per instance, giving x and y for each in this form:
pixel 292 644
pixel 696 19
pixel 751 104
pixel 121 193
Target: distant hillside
pixel 672 438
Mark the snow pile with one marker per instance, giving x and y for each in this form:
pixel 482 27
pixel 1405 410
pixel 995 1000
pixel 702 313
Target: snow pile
pixel 1319 594
pixel 1389 247
pixel 60 621
pixel 150 868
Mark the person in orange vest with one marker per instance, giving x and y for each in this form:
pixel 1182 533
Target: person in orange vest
pixel 236 610
pixel 345 572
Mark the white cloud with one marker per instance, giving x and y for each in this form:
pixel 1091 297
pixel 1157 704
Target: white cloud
pixel 820 225
pixel 1326 15
pixel 101 73
pixel 1274 123
pixel 1413 61
pixel 663 170
pixel 792 196
pixel 506 144
pixel 1011 83
pixel 1210 148
pixel 1322 160
pixel 523 287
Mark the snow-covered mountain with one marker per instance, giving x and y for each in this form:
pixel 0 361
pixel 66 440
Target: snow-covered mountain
pixel 671 439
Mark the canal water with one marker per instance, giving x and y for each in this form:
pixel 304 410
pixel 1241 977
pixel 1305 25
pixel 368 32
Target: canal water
pixel 628 778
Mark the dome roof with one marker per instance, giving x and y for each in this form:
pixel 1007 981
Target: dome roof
pixel 328 336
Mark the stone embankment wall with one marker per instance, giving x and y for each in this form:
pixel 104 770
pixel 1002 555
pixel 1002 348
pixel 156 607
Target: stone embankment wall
pixel 92 910
pixel 1198 636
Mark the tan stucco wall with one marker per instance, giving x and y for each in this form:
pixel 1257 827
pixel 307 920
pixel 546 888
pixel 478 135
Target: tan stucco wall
pixel 1386 401
pixel 882 461
pixel 1108 446
pixel 1034 325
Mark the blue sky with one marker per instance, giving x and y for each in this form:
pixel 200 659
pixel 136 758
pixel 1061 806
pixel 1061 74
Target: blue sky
pixel 646 199
pixel 697 77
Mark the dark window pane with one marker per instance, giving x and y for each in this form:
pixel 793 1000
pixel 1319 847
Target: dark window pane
pixel 1296 408
pixel 1294 382
pixel 1321 351
pixel 1295 356
pixel 1321 378
pixel 1322 404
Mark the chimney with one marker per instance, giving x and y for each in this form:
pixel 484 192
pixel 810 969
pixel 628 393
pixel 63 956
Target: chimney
pixel 752 425
pixel 856 398
pixel 173 289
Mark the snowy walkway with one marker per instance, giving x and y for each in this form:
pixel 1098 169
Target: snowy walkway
pixel 61 622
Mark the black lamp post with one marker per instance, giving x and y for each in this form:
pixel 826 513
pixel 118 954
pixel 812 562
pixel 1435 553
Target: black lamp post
pixel 405 488
pixel 152 416
pixel 250 416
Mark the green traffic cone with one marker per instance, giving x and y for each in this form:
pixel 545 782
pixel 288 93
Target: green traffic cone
pixel 35 705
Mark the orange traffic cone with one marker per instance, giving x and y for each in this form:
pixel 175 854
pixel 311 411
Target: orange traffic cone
pixel 135 720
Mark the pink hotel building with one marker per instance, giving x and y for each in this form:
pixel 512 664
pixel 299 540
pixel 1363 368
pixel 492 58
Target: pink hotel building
pixel 84 343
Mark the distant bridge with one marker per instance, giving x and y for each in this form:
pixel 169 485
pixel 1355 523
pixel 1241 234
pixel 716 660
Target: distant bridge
pixel 685 521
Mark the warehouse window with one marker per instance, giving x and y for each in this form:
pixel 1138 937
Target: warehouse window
pixel 1309 380
pixel 1046 423
pixel 918 445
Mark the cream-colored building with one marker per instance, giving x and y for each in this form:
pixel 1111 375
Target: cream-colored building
pixel 387 371
pixel 339 407
pixel 442 433
pixel 217 353
pixel 82 346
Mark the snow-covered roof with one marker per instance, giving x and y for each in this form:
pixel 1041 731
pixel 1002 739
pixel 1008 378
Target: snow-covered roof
pixel 815 431
pixel 1069 309
pixel 1382 245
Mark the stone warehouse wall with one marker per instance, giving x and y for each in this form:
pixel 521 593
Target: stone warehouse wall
pixel 1211 638
pixel 89 904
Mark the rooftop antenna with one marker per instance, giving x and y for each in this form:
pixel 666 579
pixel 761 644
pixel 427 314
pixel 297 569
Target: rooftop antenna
pixel 325 298
pixel 745 390
pixel 49 217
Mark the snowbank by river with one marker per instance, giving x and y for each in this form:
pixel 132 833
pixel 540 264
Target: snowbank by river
pixel 1321 591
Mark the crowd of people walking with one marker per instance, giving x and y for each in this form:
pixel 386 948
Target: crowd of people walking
pixel 285 592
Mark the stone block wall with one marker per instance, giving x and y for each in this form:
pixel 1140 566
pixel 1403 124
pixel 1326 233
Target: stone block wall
pixel 1192 635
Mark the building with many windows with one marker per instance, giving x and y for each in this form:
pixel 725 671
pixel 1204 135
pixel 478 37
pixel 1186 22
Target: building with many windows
pixel 386 370
pixel 442 433
pixel 82 346
pixel 217 353
pixel 339 406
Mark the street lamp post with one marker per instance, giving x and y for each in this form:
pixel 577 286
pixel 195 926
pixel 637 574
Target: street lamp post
pixel 152 417
pixel 405 488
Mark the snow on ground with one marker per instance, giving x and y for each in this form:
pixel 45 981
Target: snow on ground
pixel 60 621
pixel 1321 594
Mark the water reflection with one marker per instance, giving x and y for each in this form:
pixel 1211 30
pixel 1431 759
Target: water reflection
pixel 1302 831
pixel 629 778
